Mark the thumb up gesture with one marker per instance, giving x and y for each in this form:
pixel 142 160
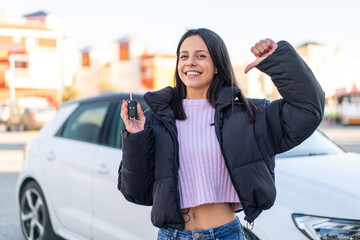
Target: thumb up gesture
pixel 261 50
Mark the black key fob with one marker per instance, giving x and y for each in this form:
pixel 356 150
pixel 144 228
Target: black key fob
pixel 132 109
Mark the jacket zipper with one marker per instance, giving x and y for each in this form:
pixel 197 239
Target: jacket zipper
pixel 176 163
pixel 219 117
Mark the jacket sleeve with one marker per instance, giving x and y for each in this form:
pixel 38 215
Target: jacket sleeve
pixel 295 117
pixel 136 171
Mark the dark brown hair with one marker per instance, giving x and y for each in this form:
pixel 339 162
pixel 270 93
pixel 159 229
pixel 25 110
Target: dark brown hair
pixel 225 76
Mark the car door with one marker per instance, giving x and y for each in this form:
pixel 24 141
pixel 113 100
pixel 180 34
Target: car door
pixel 69 167
pixel 114 216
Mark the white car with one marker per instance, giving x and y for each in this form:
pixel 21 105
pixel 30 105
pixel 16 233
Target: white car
pixel 67 187
pixel 318 194
pixel 68 184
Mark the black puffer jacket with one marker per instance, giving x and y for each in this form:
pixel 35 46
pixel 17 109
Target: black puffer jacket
pixel 148 174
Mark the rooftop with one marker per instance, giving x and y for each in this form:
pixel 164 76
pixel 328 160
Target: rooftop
pixel 36 14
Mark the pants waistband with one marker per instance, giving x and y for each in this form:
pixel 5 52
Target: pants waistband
pixel 204 234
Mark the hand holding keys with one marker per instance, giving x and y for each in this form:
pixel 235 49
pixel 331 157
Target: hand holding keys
pixel 132 107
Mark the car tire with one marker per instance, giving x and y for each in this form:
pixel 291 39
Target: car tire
pixel 34 216
pixel 8 129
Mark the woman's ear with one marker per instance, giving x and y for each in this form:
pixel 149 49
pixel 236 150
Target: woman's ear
pixel 216 71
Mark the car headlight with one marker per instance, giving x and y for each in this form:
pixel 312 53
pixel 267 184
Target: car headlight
pixel 323 228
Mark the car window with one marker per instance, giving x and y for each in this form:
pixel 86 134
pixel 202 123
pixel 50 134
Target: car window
pixel 117 125
pixel 316 144
pixel 85 123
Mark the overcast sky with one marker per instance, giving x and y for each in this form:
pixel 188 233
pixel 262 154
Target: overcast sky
pixel 240 23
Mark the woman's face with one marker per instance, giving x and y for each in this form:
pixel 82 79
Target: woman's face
pixel 196 68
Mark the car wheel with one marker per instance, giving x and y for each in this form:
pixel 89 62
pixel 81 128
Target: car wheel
pixel 34 215
pixel 7 127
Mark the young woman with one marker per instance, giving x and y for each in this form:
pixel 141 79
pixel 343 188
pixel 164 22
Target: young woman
pixel 203 151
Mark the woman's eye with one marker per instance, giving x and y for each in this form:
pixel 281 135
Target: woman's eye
pixel 183 56
pixel 201 56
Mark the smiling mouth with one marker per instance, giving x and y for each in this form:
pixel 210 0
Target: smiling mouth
pixel 192 73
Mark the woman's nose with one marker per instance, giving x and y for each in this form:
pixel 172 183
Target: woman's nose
pixel 190 61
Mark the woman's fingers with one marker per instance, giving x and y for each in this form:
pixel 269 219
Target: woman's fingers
pixel 261 47
pixel 252 65
pixel 261 50
pixel 122 110
pixel 269 42
pixel 255 51
pixel 140 112
pixel 124 114
pixel 132 125
pixel 142 118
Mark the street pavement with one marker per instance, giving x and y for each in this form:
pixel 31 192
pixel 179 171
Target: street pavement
pixel 9 218
pixel 347 137
pixel 11 160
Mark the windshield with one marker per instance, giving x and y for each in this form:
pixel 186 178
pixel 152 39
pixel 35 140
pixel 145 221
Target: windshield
pixel 316 144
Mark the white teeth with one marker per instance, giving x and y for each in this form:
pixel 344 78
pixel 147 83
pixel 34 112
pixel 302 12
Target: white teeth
pixel 192 73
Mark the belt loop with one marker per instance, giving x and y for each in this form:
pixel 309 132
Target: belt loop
pixel 175 233
pixel 211 231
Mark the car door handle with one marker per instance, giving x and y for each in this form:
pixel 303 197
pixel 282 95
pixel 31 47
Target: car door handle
pixel 103 169
pixel 50 156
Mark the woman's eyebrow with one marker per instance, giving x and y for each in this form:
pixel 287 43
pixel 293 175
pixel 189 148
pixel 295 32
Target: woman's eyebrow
pixel 197 51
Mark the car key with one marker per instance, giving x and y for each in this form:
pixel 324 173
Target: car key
pixel 132 107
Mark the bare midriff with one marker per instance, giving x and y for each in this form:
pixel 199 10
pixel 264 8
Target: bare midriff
pixel 208 216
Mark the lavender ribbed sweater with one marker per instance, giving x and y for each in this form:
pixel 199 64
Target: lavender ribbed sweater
pixel 203 176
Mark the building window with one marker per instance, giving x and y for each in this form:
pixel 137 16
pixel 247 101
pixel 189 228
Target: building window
pixel 85 59
pixel 124 51
pixel 45 42
pixel 21 64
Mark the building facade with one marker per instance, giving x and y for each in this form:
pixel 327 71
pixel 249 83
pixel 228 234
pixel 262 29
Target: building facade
pixel 31 58
pixel 335 72
pixel 157 71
